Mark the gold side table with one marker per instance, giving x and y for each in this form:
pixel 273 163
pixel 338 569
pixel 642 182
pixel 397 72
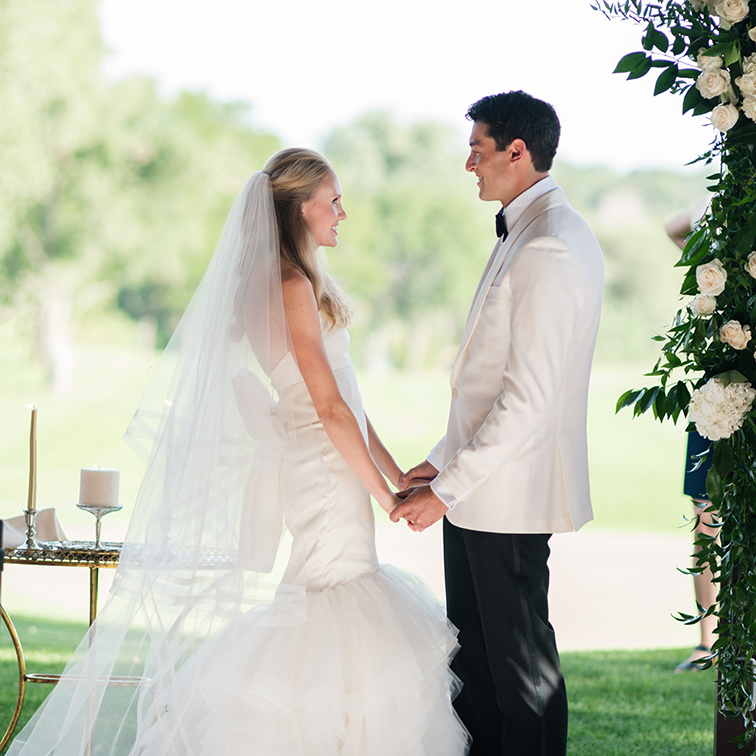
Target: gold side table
pixel 60 554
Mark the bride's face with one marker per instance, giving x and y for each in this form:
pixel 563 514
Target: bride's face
pixel 323 212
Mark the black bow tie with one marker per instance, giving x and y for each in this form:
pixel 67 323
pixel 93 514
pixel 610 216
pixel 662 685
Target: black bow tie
pixel 501 226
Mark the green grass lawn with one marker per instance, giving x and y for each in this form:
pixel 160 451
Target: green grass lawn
pixel 47 647
pixel 621 702
pixel 628 703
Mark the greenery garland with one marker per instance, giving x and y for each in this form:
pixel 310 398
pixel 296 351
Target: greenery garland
pixel 706 52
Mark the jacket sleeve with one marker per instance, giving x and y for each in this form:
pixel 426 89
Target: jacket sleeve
pixel 436 456
pixel 548 287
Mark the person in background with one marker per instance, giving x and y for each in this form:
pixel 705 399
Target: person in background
pixel 694 485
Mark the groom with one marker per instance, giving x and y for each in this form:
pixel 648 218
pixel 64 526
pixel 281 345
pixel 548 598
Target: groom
pixel 512 468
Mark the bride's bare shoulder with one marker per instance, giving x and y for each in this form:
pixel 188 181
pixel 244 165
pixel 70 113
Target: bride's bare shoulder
pixel 295 285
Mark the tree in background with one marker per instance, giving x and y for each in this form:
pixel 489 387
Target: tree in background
pixel 113 198
pixel 49 121
pixel 416 239
pixel 628 212
pixel 196 156
pixel 108 192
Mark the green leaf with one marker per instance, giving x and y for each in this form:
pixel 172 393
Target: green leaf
pixel 621 401
pixel 658 39
pixel 744 238
pixel 640 70
pixel 689 73
pixel 630 62
pixel 714 486
pixel 692 98
pixel 731 376
pixel 682 395
pixel 689 285
pixel 666 80
pixel 721 48
pixel 705 106
pixel 627 399
pixel 743 133
pixel 646 401
pixel 660 405
pixel 672 359
pixel 732 55
pixel 723 460
pixel 697 241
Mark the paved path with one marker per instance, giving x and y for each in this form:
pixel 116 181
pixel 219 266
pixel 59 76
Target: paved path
pixel 608 590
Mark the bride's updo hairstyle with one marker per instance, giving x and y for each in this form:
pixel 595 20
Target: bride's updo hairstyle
pixel 295 175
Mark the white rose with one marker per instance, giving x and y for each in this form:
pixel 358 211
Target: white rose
pixel 747 84
pixel 724 117
pixel 749 107
pixel 734 334
pixel 703 304
pixel 750 266
pixel 732 11
pixel 708 62
pixel 749 63
pixel 711 278
pixel 713 82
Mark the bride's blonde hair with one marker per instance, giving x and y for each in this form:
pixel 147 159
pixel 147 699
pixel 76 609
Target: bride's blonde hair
pixel 295 176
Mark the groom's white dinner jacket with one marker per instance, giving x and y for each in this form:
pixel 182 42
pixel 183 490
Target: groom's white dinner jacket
pixel 514 458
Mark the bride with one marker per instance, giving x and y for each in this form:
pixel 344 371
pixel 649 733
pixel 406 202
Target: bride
pixel 249 614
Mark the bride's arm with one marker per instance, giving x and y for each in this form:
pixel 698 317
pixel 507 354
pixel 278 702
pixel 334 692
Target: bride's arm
pixel 382 456
pixel 338 419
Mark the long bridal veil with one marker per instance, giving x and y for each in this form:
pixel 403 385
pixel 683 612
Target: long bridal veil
pixel 207 541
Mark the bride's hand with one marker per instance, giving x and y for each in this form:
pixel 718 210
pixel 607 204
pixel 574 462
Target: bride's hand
pixel 419 475
pixel 389 502
pixel 406 490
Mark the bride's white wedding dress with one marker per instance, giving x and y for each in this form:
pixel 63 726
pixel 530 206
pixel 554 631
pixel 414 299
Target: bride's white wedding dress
pixel 356 663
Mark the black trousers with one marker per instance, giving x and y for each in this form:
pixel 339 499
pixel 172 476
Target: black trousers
pixel 513 699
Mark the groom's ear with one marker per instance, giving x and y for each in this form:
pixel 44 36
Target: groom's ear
pixel 518 151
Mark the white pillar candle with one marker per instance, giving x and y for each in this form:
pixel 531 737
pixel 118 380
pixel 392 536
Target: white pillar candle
pixel 99 487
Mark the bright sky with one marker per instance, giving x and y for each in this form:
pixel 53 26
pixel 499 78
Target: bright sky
pixel 307 66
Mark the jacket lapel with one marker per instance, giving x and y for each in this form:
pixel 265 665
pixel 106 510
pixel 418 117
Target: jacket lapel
pixel 501 258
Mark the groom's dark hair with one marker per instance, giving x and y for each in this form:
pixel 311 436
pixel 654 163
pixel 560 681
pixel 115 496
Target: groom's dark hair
pixel 517 115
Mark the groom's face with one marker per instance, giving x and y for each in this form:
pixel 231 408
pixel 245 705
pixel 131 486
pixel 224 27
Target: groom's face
pixel 493 168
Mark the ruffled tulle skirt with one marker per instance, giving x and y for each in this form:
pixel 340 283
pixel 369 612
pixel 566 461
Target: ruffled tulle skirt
pixel 362 671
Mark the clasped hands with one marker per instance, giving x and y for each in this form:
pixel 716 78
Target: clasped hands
pixel 420 506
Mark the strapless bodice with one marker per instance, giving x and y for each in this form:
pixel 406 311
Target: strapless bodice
pixel 336 341
pixel 326 507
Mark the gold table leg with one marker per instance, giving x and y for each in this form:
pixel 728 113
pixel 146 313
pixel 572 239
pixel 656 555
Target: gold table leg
pixel 21 678
pixel 94 573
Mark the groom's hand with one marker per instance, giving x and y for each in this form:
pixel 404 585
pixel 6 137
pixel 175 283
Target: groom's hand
pixel 418 475
pixel 421 509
